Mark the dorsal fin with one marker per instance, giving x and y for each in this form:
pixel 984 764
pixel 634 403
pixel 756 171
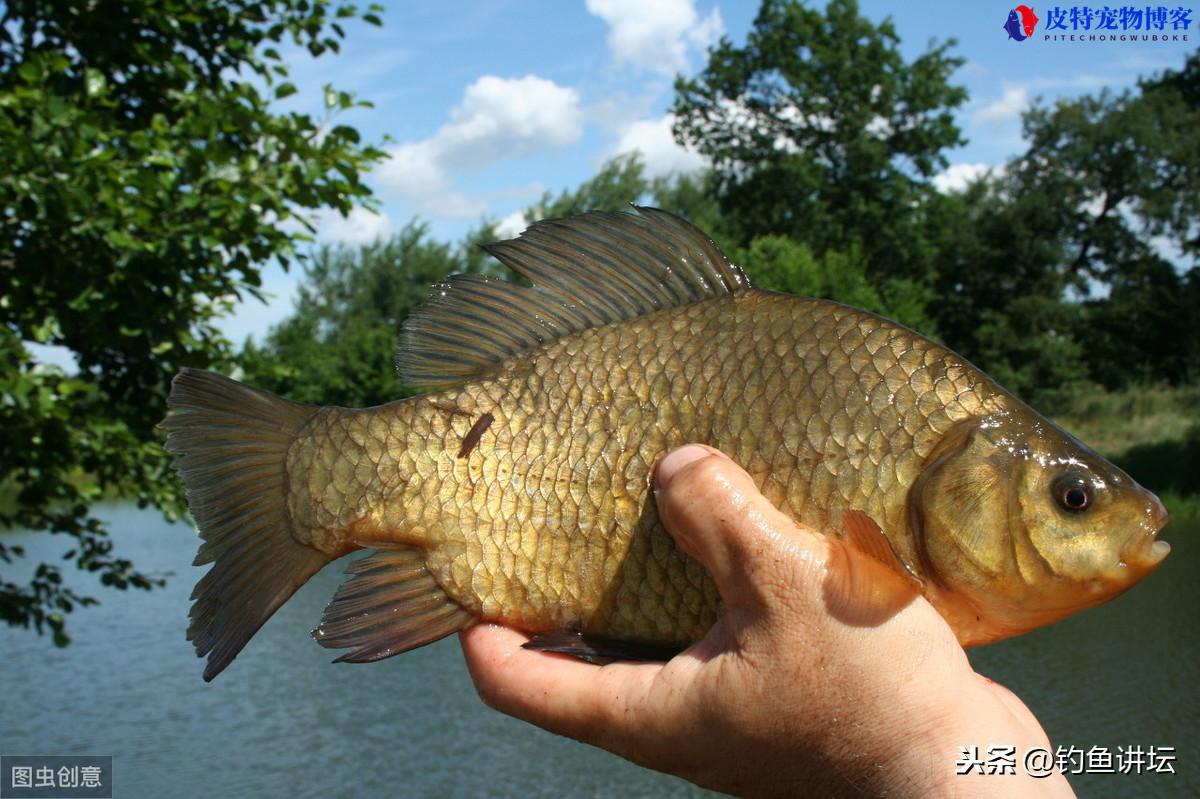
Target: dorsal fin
pixel 587 271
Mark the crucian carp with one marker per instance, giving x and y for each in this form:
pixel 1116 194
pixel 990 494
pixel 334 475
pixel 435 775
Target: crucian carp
pixel 518 490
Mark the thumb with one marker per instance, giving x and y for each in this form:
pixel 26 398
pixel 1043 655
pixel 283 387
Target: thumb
pixel 715 513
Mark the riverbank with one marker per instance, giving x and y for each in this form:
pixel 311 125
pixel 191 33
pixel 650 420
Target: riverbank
pixel 1152 432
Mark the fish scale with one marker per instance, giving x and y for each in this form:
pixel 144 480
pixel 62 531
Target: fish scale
pixel 544 524
pixel 519 489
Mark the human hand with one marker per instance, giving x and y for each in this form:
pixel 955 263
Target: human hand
pixel 783 696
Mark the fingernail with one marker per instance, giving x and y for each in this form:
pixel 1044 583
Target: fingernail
pixel 676 460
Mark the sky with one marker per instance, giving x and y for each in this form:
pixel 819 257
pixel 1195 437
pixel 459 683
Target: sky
pixel 486 104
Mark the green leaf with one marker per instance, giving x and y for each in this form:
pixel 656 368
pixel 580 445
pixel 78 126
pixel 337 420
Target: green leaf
pixel 31 71
pixel 94 82
pixel 142 212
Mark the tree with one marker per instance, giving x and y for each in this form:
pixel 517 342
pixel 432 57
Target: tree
pixel 781 264
pixel 694 197
pixel 339 344
pixel 1147 328
pixel 1076 261
pixel 620 181
pixel 144 180
pixel 1000 289
pixel 1137 160
pixel 821 131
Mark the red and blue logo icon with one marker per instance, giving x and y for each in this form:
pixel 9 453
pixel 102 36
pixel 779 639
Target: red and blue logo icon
pixel 1021 22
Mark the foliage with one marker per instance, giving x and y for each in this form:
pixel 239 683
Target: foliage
pixel 1139 156
pixel 1000 291
pixel 694 197
pixel 1060 268
pixel 622 181
pixel 619 182
pixel 144 180
pixel 821 131
pixel 781 264
pixel 338 345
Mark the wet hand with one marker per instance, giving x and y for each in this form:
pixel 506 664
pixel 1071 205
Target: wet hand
pixel 785 695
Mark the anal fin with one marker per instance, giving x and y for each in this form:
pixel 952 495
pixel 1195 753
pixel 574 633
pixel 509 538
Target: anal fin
pixel 390 604
pixel 598 648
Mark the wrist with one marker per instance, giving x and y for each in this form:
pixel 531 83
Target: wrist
pixel 978 743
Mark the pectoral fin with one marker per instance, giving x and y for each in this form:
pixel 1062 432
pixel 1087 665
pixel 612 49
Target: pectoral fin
pixel 866 582
pixel 865 535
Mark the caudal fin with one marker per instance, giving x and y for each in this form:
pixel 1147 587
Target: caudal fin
pixel 230 443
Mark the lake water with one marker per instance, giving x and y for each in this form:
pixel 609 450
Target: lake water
pixel 283 721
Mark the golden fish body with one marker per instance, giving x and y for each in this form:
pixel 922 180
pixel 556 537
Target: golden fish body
pixel 544 525
pixel 523 496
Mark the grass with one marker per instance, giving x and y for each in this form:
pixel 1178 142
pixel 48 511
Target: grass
pixel 1152 432
pixel 1181 506
pixel 1112 423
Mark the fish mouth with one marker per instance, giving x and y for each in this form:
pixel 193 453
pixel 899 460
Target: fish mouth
pixel 1144 552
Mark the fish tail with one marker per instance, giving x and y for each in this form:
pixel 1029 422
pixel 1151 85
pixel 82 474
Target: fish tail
pixel 230 443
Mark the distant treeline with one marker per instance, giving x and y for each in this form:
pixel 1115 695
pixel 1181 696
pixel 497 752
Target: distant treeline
pixel 1074 263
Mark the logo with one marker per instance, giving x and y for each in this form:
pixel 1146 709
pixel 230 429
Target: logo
pixel 1102 24
pixel 1021 22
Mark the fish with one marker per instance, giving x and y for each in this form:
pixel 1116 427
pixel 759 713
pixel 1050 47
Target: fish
pixel 517 490
pixel 1029 20
pixel 1014 27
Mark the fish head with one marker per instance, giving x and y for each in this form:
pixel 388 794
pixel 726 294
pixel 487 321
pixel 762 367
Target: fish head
pixel 1020 525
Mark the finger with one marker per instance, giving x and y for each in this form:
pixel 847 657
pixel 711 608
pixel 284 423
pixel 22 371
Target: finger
pixel 717 515
pixel 597 705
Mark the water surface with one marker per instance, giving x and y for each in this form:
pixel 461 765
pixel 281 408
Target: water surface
pixel 282 721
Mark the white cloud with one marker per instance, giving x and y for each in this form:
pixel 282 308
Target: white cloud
pixel 509 118
pixel 652 138
pixel 360 227
pixel 1004 109
pixel 497 119
pixel 1170 250
pixel 656 35
pixel 512 225
pixel 1094 206
pixel 956 177
pixel 879 127
pixel 415 173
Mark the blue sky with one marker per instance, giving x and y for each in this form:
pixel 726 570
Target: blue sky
pixel 489 103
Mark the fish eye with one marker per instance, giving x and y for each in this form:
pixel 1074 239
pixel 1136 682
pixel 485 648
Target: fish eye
pixel 1072 494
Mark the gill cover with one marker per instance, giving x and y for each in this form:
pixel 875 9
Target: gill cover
pixel 960 508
